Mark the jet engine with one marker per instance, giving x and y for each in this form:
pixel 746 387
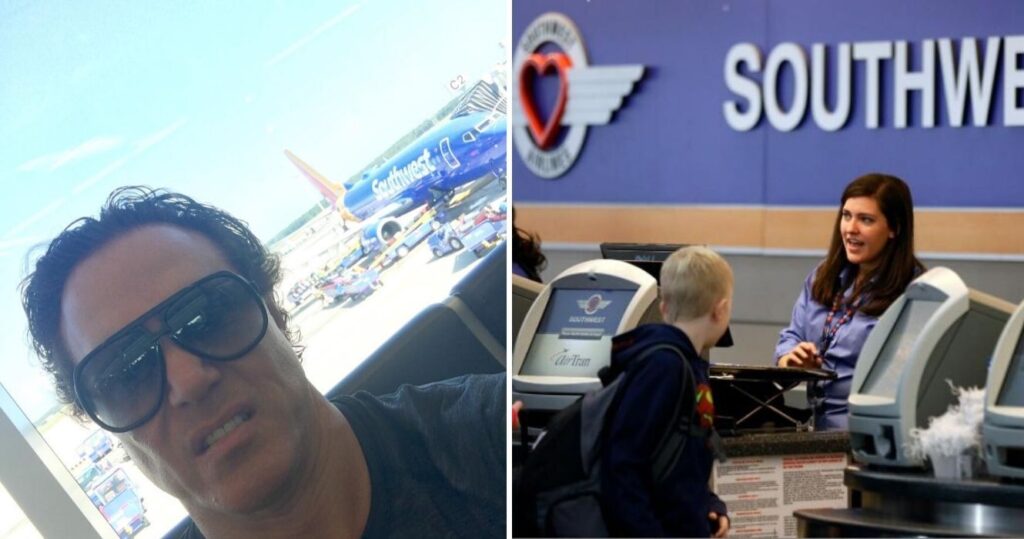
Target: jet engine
pixel 382 230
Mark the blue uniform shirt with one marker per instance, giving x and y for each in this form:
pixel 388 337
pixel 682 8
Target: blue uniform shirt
pixel 828 399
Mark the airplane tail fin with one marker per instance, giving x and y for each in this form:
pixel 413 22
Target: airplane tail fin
pixel 327 188
pixel 331 191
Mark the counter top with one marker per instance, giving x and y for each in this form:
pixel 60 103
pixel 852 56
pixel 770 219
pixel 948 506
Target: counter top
pixel 913 502
pixel 867 523
pixel 786 443
pixel 921 485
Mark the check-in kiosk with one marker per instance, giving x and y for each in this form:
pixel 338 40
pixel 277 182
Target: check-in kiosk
pixel 938 330
pixel 1002 431
pixel 649 257
pixel 566 336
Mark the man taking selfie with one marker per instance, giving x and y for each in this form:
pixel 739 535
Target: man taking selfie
pixel 158 321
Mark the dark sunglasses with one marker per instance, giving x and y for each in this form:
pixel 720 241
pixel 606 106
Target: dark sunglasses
pixel 121 383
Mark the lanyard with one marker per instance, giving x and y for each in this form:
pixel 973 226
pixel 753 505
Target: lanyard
pixel 828 331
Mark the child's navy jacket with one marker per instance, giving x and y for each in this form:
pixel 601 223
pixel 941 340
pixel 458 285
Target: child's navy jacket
pixel 633 505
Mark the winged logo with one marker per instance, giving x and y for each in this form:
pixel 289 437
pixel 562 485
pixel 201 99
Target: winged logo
pixel 593 304
pixel 587 95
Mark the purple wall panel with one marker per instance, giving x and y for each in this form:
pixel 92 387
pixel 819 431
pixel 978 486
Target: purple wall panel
pixel 671 144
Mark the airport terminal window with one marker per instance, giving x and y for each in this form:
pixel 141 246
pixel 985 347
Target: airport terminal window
pixel 206 104
pixel 13 522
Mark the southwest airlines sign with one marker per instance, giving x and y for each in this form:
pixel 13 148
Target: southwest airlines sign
pixel 783 103
pixel 587 95
pixel 963 74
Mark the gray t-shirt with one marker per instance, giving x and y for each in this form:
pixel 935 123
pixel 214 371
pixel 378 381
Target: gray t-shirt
pixel 436 455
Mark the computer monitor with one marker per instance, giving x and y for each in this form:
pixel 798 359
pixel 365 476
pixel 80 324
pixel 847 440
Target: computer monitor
pixel 566 336
pixel 938 330
pixel 646 256
pixel 1002 431
pixel 649 257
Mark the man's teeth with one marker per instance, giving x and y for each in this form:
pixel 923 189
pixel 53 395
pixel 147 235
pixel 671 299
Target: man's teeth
pixel 228 427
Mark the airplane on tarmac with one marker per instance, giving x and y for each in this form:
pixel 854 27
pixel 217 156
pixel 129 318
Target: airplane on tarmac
pixel 466 146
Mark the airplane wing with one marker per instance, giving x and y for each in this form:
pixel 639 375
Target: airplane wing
pixel 595 93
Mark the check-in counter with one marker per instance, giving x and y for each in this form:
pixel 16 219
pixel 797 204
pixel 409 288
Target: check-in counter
pixel 770 475
pixel 776 464
pixel 904 503
pixel 751 399
pixel 786 443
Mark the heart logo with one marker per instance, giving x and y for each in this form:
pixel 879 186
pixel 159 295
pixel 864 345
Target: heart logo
pixel 544 133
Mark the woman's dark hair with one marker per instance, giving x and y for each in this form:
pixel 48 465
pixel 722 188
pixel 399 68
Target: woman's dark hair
pixel 897 266
pixel 127 209
pixel 526 251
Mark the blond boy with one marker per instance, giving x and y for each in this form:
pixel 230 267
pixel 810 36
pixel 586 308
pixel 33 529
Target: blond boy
pixel 696 304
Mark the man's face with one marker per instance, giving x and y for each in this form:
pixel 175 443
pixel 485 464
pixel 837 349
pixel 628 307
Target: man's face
pixel 186 449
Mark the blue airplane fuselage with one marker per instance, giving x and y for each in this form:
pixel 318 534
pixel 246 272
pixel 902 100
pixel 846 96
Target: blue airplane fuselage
pixel 452 153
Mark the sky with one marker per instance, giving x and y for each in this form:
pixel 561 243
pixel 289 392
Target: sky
pixel 203 98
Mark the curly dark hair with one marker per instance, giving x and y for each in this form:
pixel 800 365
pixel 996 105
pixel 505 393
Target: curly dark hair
pixel 127 209
pixel 526 251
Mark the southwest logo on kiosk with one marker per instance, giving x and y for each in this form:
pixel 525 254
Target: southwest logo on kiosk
pixel 587 95
pixel 593 304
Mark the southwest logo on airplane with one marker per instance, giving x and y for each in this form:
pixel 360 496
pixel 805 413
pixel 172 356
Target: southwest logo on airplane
pixel 587 95
pixel 400 178
pixel 467 146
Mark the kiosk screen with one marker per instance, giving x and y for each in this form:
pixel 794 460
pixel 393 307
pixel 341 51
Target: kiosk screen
pixel 886 372
pixel 1012 393
pixel 574 337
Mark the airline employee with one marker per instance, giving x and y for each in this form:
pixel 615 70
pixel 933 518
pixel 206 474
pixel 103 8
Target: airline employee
pixel 870 262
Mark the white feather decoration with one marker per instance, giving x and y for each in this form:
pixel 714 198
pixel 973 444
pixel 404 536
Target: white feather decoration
pixel 957 432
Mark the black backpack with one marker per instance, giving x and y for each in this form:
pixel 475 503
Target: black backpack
pixel 557 491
